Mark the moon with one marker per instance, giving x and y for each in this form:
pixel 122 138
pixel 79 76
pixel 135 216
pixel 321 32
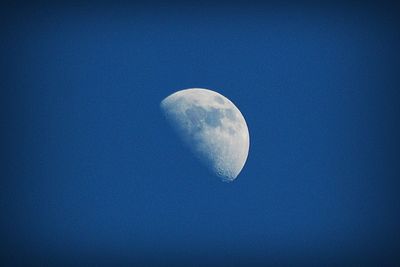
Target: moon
pixel 212 127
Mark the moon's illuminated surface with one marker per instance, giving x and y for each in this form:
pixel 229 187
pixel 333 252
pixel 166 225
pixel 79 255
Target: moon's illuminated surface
pixel 212 126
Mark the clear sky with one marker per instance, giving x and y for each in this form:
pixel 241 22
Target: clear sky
pixel 93 174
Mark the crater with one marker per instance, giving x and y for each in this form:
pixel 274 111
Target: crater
pixel 231 131
pixel 230 114
pixel 196 115
pixel 214 116
pixel 219 99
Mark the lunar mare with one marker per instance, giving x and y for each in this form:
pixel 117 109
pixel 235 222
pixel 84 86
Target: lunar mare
pixel 212 126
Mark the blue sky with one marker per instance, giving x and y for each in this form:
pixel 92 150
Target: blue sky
pixel 94 174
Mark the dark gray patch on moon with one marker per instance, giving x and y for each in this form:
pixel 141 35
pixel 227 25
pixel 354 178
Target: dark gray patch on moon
pixel 196 115
pixel 214 117
pixel 230 114
pixel 231 131
pixel 219 99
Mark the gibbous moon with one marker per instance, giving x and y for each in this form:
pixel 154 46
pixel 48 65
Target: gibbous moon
pixel 212 126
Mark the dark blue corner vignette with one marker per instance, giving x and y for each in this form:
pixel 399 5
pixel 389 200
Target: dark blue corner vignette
pixel 91 173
